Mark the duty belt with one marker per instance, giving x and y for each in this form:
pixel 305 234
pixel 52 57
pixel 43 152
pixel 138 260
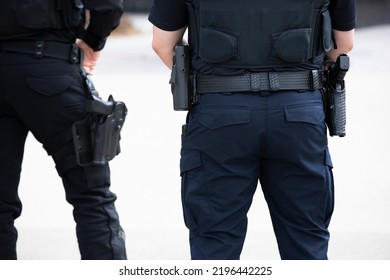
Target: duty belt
pixel 259 81
pixel 69 52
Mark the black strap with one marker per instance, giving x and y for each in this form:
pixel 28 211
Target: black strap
pixel 69 52
pixel 260 81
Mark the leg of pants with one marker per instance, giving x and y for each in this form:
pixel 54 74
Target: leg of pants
pixel 47 96
pixel 99 233
pixel 296 176
pixel 11 154
pixel 234 140
pixel 219 168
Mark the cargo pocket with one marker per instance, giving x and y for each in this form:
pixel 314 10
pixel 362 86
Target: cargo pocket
pixel 217 118
pixel 49 85
pixel 328 159
pixel 196 199
pixel 329 203
pixel 97 176
pixel 308 113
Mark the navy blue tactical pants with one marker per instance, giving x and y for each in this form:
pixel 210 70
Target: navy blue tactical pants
pixel 46 96
pixel 233 141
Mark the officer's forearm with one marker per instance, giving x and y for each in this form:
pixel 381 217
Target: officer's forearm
pixel 91 57
pixel 164 42
pixel 343 44
pixel 166 56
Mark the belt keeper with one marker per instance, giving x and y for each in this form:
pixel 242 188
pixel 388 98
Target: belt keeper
pixel 195 95
pixel 274 82
pixel 312 77
pixel 315 79
pixel 74 53
pixel 39 45
pixel 255 83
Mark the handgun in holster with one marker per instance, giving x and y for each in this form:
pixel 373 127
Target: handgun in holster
pixel 96 138
pixel 181 79
pixel 335 97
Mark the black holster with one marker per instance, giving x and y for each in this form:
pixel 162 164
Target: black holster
pixel 335 97
pixel 96 138
pixel 181 82
pixel 335 109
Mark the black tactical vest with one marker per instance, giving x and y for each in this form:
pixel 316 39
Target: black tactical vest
pixel 259 33
pixel 23 17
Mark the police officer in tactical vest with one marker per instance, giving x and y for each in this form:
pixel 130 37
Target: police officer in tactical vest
pixel 44 90
pixel 253 77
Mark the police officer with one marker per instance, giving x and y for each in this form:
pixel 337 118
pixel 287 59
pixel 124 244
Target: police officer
pixel 43 90
pixel 259 117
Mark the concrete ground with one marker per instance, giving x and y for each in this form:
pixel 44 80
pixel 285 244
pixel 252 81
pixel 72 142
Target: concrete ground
pixel 145 176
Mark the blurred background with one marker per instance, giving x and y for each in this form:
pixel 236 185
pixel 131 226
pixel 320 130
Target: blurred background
pixel 145 176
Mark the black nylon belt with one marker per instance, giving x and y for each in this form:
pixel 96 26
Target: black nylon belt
pixel 69 52
pixel 260 81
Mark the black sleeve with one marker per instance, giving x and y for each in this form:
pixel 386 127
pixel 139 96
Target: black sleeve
pixel 104 17
pixel 169 15
pixel 343 14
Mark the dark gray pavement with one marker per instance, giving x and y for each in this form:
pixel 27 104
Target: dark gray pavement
pixel 146 174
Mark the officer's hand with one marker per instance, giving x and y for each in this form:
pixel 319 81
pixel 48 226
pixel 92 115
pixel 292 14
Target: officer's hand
pixel 90 57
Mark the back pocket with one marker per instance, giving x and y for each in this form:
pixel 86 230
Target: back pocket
pixel 306 113
pixel 49 85
pixel 216 118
